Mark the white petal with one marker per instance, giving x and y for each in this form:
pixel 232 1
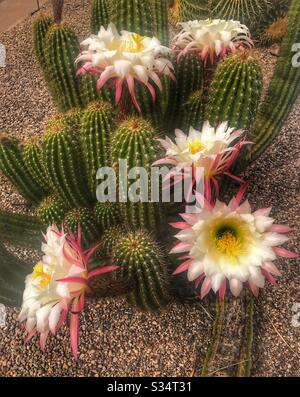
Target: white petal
pixel 236 286
pixel 194 270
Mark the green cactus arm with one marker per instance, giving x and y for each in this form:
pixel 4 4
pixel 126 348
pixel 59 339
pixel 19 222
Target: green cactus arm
pixel 52 210
pixel 160 15
pixel 283 91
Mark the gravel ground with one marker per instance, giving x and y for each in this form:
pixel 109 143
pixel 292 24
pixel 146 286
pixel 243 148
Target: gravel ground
pixel 119 340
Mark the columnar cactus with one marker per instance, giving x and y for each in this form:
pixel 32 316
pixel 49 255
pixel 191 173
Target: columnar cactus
pixel 134 16
pixel 85 218
pixel 14 168
pixel 107 214
pixel 134 141
pixel 62 47
pixel 52 210
pixel 160 16
pixel 100 15
pixel 189 78
pixel 33 158
pixel 41 26
pixel 89 91
pixel 63 161
pixel 235 91
pixel 193 113
pixel 142 265
pixel 283 90
pixel 97 126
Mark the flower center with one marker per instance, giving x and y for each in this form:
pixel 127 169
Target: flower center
pixel 196 146
pixel 134 44
pixel 228 243
pixel 38 272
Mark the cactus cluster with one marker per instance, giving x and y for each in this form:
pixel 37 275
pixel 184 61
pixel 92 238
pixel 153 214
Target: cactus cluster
pixel 235 91
pixel 142 264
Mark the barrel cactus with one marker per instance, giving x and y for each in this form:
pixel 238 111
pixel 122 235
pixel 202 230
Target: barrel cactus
pixel 142 265
pixel 52 210
pixel 236 91
pixel 107 214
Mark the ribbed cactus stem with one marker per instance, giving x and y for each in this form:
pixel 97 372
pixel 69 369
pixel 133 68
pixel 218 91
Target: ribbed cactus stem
pixel 62 47
pixel 52 210
pixel 13 167
pixel 142 265
pixel 284 88
pixel 33 158
pixel 100 15
pixel 189 78
pixel 96 129
pixel 134 16
pixel 89 91
pixel 135 141
pixel 193 114
pixel 41 26
pixel 84 217
pixel 236 91
pixel 110 239
pixel 160 9
pixel 107 214
pixel 63 161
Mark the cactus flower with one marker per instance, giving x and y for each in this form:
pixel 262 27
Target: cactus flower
pixel 211 38
pixel 125 58
pixel 229 246
pixel 212 150
pixel 57 284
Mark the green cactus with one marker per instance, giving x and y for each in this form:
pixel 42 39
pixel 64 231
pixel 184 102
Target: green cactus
pixel 62 47
pixel 90 93
pixel 160 15
pixel 134 141
pixel 272 27
pixel 247 12
pixel 193 114
pixel 12 165
pixel 110 239
pixel 52 210
pixel 187 10
pixel 189 78
pixel 107 214
pixel 235 91
pixel 283 90
pixel 142 265
pixel 134 16
pixel 100 15
pixel 41 26
pixel 96 128
pixel 63 161
pixel 84 217
pixel 33 158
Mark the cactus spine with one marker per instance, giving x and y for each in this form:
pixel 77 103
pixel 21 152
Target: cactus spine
pixel 134 141
pixel 193 115
pixel 142 265
pixel 97 124
pixel 89 227
pixel 52 210
pixel 63 161
pixel 41 26
pixel 134 16
pixel 107 214
pixel 284 88
pixel 100 15
pixel 189 78
pixel 160 15
pixel 62 47
pixel 110 239
pixel 236 91
pixel 33 158
pixel 13 167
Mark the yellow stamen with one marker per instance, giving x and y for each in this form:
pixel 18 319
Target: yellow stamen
pixel 134 44
pixel 196 146
pixel 38 272
pixel 228 244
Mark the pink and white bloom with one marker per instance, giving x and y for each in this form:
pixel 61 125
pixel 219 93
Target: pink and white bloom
pixel 212 150
pixel 57 284
pixel 125 58
pixel 229 246
pixel 211 38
